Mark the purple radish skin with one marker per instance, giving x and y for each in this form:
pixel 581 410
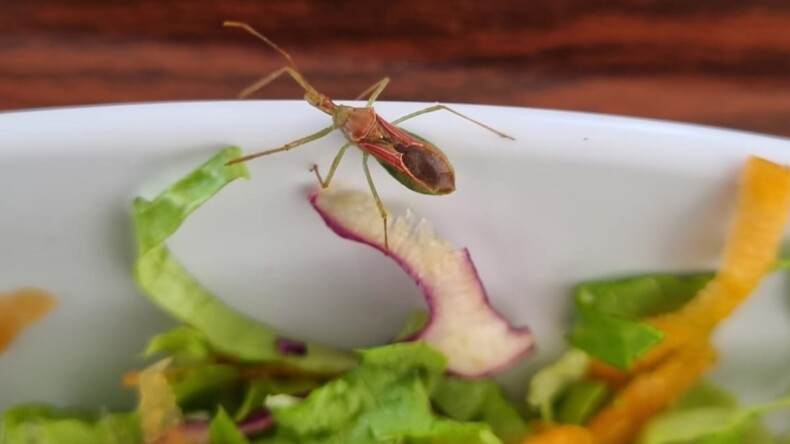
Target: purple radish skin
pixel 475 338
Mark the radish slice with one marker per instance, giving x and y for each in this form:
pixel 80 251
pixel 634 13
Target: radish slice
pixel 475 338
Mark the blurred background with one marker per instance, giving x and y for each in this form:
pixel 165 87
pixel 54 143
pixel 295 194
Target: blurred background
pixel 718 62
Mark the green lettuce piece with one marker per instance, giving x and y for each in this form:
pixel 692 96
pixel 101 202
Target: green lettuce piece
pixel 704 395
pixel 199 381
pixel 206 386
pixel 581 401
pixel 184 344
pixel 708 417
pixel 170 286
pixel 223 430
pixel 613 339
pixel 608 313
pixel 641 296
pixel 260 389
pixel 480 401
pixel 552 381
pixel 415 323
pixel 384 400
pixel 42 424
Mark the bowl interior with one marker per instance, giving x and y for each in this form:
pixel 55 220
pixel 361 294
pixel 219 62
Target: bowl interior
pixel 576 196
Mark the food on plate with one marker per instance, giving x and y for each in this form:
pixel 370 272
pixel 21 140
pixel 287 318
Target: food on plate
pixel 639 347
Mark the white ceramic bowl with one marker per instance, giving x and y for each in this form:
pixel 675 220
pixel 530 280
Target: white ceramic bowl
pixel 576 196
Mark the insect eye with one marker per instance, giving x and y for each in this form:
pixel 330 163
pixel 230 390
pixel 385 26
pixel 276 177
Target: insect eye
pixel 429 169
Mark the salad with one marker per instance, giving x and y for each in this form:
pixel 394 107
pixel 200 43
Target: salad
pixel 634 371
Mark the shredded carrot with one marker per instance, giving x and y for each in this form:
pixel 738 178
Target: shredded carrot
pixel 670 369
pixel 650 392
pixel 752 246
pixel 606 373
pixel 560 434
pixel 19 310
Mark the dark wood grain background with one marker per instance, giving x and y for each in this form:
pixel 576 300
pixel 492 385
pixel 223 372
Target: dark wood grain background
pixel 720 62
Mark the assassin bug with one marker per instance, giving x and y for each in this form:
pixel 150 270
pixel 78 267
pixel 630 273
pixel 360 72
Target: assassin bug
pixel 413 161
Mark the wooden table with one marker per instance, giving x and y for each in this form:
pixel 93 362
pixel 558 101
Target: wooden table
pixel 720 62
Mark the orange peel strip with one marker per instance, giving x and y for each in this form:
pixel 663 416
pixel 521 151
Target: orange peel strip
pixel 19 310
pixel 606 373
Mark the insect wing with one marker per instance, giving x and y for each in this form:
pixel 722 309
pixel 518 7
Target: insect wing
pixel 414 162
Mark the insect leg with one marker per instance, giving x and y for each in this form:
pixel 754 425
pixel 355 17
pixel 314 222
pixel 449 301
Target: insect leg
pixel 376 89
pixel 433 108
pixel 287 146
pixel 376 197
pixel 332 169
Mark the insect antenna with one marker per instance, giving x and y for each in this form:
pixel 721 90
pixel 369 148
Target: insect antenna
pixel 251 30
pixel 291 69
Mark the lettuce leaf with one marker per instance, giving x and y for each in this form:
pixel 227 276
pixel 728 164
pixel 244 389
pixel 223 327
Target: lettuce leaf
pixel 258 390
pixel 415 323
pixel 704 395
pixel 172 288
pixel 641 296
pixel 206 386
pixel 608 312
pixel 616 340
pixel 581 401
pixel 480 401
pixel 708 415
pixel 386 399
pixel 552 381
pixel 184 344
pixel 42 424
pixel 223 430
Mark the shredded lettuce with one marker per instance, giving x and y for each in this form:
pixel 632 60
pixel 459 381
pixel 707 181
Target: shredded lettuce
pixel 170 286
pixel 476 400
pixel 42 424
pixel 415 323
pixel 184 344
pixel 206 386
pixel 385 399
pixel 223 430
pixel 613 339
pixel 259 390
pixel 551 382
pixel 480 400
pixel 711 424
pixel 608 313
pixel 704 395
pixel 641 296
pixel 581 401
